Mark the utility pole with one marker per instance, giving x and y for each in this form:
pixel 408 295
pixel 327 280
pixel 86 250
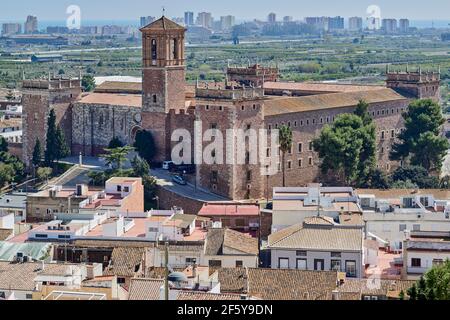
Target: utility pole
pixel 166 278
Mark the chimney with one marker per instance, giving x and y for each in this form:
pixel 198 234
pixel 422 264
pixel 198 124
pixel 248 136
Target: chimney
pixel 335 295
pixel 194 270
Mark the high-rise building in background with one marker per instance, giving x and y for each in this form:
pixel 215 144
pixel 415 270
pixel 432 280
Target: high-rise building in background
pixel 389 25
pixel 189 18
pixel 11 29
pixel 227 22
pixel 321 23
pixel 335 23
pixel 31 25
pixel 403 25
pixel 145 21
pixel 355 24
pixel 205 19
pixel 272 18
pixel 288 19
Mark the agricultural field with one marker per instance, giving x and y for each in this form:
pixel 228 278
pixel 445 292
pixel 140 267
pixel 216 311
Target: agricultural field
pixel 351 59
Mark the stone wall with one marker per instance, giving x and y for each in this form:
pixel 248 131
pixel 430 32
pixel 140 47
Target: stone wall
pixel 168 200
pixel 95 125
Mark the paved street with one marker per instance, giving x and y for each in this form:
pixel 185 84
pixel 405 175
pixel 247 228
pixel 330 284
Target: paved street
pixel 164 179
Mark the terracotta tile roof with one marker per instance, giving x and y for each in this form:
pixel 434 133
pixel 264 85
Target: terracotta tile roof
pixel 20 276
pixel 282 105
pixel 202 296
pixel 319 221
pixel 217 239
pixel 318 237
pixel 5 234
pixel 351 219
pixel 163 24
pixel 113 99
pixel 232 280
pixel 119 87
pixel 159 272
pixel 145 289
pixel 277 284
pixel 125 262
pixel 318 87
pixel 367 287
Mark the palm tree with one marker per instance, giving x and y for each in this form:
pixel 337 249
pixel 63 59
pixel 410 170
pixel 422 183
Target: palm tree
pixel 285 146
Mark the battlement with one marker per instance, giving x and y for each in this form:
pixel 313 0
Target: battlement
pixel 229 93
pixel 418 76
pixel 255 70
pixel 51 84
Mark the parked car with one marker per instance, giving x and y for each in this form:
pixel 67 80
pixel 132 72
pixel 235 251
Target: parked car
pixel 168 165
pixel 184 169
pixel 179 180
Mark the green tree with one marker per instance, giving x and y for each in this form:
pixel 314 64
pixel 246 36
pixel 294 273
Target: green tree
pixel 17 165
pixel 37 153
pixel 44 173
pixel 434 285
pixel 417 175
pixel 367 159
pixel 149 183
pixel 145 145
pixel 7 174
pixel 88 83
pixel 285 146
pixel 3 145
pixel 140 166
pixel 339 147
pixel 51 148
pixel 115 143
pixel 117 157
pixel 98 178
pixel 62 149
pixel 9 95
pixel 421 141
pixel 376 179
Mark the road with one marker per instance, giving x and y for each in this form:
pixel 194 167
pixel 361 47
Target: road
pixel 163 177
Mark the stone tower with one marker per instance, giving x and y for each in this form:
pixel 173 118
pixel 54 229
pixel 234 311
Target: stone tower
pixel 39 97
pixel 163 82
pixel 415 84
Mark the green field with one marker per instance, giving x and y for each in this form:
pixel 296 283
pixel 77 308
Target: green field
pixel 361 59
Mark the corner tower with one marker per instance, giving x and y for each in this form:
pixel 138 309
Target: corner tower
pixel 163 78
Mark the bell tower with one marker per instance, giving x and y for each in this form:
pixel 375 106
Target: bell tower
pixel 163 80
pixel 163 66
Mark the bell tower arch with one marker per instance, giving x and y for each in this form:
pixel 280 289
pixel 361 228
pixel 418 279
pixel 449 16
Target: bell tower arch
pixel 163 79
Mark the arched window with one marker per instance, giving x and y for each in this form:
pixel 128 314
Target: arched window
pixel 154 49
pixel 174 49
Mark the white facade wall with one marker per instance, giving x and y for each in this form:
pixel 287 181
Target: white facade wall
pixel 387 225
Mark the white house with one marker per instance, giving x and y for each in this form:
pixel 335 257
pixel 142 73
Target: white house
pixel 424 249
pixel 292 205
pixel 227 248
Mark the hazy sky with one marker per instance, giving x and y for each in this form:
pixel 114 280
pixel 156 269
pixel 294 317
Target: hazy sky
pixel 242 9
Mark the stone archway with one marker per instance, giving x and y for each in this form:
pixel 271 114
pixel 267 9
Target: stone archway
pixel 133 133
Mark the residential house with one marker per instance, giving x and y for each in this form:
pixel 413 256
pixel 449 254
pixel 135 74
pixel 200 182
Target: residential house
pixel 422 250
pixel 14 203
pixel 278 284
pixel 389 217
pixel 374 289
pixel 229 248
pixel 239 217
pixel 319 244
pixel 292 205
pixel 25 280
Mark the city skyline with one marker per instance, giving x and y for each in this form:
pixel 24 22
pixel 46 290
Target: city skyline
pixel 49 11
